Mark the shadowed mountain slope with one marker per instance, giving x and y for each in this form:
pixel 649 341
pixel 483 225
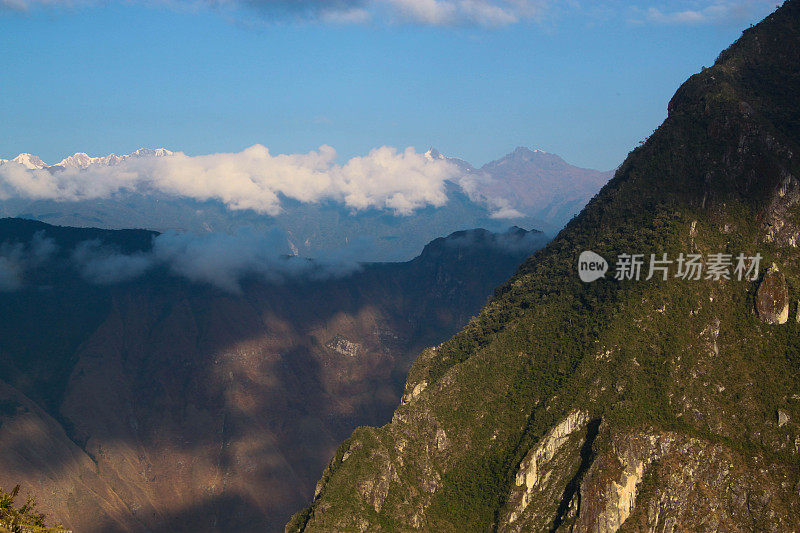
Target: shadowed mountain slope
pixel 163 405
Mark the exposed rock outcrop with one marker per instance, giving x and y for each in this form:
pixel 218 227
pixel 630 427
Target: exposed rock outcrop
pixel 783 418
pixel 772 298
pixel 655 481
pixel 535 470
pixel 779 225
pixel 343 346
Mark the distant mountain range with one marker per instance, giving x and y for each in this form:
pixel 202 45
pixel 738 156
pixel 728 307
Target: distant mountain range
pixel 527 188
pixel 82 160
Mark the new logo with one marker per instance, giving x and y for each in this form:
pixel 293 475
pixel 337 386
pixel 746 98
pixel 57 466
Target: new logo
pixel 591 266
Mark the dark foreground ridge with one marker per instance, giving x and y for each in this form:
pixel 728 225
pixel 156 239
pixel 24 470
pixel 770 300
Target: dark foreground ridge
pixel 695 384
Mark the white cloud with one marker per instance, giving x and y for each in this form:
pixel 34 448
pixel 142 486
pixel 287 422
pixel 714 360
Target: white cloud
pixel 503 210
pixel 387 179
pixel 706 13
pixel 251 179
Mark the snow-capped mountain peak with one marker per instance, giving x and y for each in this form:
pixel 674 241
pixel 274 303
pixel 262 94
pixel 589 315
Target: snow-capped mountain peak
pixel 524 151
pixel 150 152
pixel 110 159
pixel 82 160
pixel 433 154
pixel 79 160
pixel 29 161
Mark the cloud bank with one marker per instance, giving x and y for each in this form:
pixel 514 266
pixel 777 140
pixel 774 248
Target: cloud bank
pixel 221 260
pixel 216 259
pixel 251 179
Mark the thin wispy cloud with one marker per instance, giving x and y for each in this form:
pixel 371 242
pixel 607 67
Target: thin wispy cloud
pixel 222 260
pixel 489 13
pixel 330 11
pixel 10 268
pixel 102 265
pixel 697 13
pixel 218 259
pixel 16 258
pixel 467 12
pixel 482 13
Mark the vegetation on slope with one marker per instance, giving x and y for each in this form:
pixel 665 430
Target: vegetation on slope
pixel 23 518
pixel 684 356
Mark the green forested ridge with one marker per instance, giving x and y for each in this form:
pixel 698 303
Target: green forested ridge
pixel 689 358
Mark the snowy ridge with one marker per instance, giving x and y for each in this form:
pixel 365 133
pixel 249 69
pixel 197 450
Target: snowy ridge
pixel 29 161
pixel 82 160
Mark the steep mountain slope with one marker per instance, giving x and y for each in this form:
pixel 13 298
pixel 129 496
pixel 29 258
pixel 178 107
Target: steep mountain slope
pixel 163 405
pixel 660 405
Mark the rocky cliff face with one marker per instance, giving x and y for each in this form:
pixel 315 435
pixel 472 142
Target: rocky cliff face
pixel 622 405
pixel 772 297
pixel 162 405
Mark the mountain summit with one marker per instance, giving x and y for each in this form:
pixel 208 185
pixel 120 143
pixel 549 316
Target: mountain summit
pixel 624 404
pixel 541 183
pixel 530 182
pixel 29 161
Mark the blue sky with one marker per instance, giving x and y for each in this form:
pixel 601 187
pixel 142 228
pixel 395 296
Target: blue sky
pixel 474 78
